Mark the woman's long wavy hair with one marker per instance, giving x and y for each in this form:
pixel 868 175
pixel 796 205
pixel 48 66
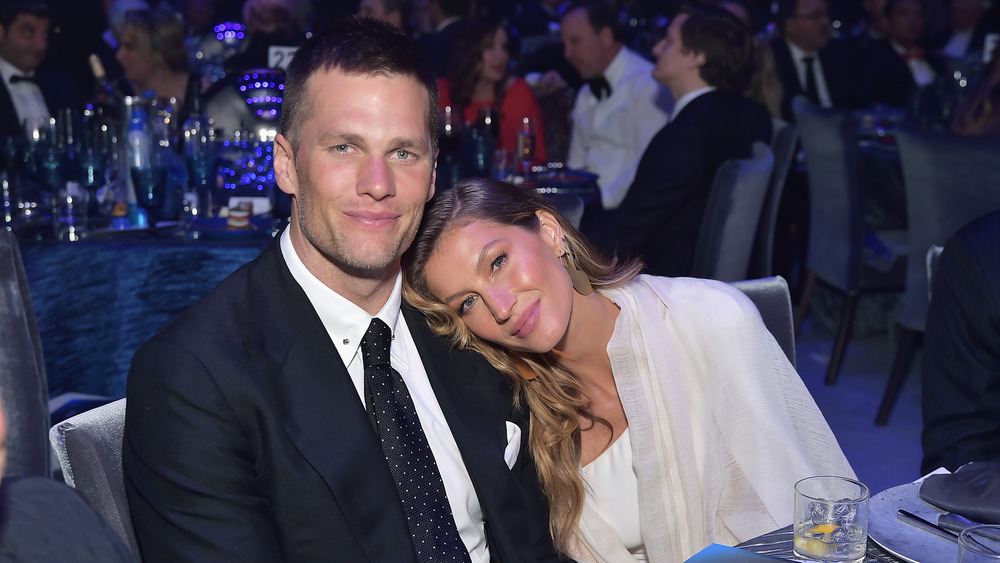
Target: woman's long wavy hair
pixel 466 64
pixel 553 395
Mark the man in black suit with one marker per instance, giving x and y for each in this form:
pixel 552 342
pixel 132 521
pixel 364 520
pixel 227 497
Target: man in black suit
pixel 29 94
pixel 448 19
pixel 706 59
pixel 809 63
pixel 961 371
pixel 257 426
pixel 901 65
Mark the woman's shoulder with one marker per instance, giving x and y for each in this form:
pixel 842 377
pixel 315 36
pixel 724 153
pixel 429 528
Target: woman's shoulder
pixel 694 295
pixel 517 86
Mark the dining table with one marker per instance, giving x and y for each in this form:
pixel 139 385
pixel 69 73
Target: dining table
pixel 779 543
pixel 97 300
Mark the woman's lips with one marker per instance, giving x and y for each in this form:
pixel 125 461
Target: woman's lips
pixel 526 322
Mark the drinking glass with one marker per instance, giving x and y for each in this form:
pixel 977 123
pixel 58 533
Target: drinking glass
pixel 831 518
pixel 150 185
pixel 979 544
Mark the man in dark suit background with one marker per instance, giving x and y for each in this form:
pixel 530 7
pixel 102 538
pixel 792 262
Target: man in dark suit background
pixel 809 63
pixel 254 429
pixel 448 19
pixel 706 59
pixel 29 94
pixel 961 371
pixel 902 65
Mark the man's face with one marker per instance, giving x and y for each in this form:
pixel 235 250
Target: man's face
pixel 809 25
pixel 673 61
pixel 24 43
pixel 588 50
pixel 906 22
pixel 360 175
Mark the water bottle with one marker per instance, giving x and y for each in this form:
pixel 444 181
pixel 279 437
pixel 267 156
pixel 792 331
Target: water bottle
pixel 139 138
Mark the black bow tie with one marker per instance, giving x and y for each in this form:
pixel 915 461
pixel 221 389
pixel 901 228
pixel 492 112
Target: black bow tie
pixel 22 78
pixel 599 87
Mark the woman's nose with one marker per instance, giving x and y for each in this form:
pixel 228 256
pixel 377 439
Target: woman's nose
pixel 501 302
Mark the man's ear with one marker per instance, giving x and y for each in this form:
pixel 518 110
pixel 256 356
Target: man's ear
pixel 284 166
pixel 606 36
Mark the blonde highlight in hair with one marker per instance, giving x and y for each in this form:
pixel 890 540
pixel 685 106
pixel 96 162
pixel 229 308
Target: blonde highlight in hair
pixel 554 397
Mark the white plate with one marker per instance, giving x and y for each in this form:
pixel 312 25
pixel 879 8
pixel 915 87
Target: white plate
pixel 903 540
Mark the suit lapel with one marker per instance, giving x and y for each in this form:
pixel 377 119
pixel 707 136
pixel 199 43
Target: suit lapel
pixel 477 402
pixel 324 417
pixel 10 125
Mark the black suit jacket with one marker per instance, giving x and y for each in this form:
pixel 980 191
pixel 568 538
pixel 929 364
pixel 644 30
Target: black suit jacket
pixel 57 89
pixel 661 215
pixel 843 82
pixel 961 371
pixel 888 76
pixel 440 46
pixel 245 439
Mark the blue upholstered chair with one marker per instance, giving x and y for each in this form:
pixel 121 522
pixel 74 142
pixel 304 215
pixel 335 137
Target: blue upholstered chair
pixel 950 181
pixel 732 216
pixel 836 229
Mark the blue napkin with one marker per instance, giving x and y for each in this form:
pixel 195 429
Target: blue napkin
pixel 972 491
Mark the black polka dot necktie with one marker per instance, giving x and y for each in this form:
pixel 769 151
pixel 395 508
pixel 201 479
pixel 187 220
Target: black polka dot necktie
pixel 407 452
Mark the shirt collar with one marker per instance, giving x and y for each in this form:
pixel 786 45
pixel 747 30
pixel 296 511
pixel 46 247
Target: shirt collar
pixel 687 99
pixel 8 70
pixel 446 23
pixel 616 70
pixel 345 322
pixel 798 54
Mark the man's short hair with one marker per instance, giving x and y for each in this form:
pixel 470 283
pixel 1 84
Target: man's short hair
pixel 725 41
pixel 355 46
pixel 600 14
pixel 10 9
pixel 784 11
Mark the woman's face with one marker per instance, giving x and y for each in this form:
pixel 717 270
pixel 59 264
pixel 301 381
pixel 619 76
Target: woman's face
pixel 495 58
pixel 138 65
pixel 506 283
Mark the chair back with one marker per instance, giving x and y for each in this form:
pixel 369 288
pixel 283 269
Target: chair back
pixel 774 302
pixel 732 216
pixel 89 449
pixel 836 229
pixel 784 144
pixel 23 382
pixel 950 181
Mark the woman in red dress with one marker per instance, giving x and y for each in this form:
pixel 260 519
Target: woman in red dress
pixel 480 79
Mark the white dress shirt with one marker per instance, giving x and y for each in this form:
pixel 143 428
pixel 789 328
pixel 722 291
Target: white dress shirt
pixel 686 99
pixel 26 96
pixel 923 74
pixel 817 66
pixel 610 135
pixel 347 323
pixel 958 44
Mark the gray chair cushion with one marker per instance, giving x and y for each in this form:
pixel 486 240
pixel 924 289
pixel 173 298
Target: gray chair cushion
pixel 732 214
pixel 950 181
pixel 89 449
pixel 774 302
